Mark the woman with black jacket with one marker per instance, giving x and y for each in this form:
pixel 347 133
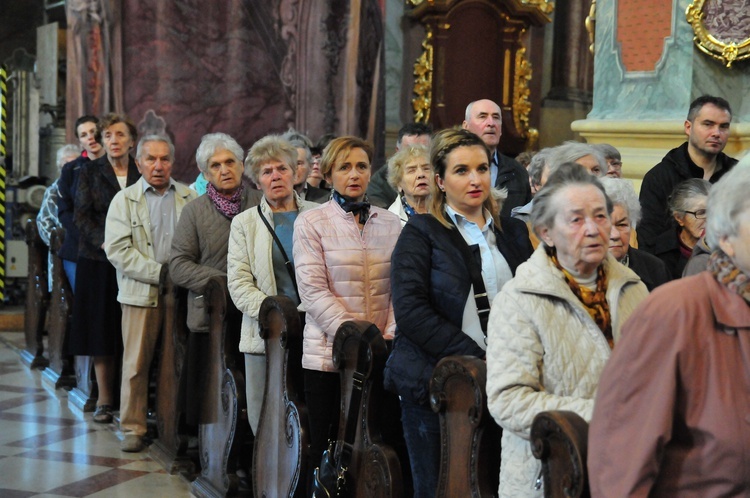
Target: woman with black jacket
pixel 446 268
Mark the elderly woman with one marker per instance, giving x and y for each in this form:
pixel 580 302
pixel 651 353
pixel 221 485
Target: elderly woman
pixel 671 416
pixel 613 158
pixel 96 328
pixel 626 212
pixel 443 264
pixel 687 204
pixel 342 255
pixel 410 174
pixel 199 245
pixel 260 262
pixel 553 326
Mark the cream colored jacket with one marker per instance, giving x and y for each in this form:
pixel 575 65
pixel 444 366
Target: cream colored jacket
pixel 250 277
pixel 129 245
pixel 544 352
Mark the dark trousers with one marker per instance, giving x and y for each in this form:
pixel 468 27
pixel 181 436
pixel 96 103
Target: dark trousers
pixel 323 399
pixel 422 435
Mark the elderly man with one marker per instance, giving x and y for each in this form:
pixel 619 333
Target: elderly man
pixel 138 236
pixel 483 118
pixel 707 129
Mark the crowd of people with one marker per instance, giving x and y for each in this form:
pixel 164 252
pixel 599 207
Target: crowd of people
pixel 543 270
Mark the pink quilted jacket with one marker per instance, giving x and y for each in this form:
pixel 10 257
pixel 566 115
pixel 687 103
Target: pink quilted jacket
pixel 342 275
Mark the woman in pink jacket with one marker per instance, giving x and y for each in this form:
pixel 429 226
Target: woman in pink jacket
pixel 342 255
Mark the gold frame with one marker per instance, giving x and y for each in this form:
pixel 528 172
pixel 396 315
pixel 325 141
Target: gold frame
pixel 423 81
pixel 727 53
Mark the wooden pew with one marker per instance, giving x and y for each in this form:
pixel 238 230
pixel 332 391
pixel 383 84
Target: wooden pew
pixel 559 439
pixel 470 446
pixel 37 298
pixel 60 371
pixel 224 425
pixel 281 448
pixel 170 449
pixel 360 352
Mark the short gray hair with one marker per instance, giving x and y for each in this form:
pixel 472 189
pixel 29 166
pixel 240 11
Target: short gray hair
pixel 622 193
pixel 568 174
pixel 399 159
pixel 539 161
pixel 66 150
pixel 570 152
pixel 608 151
pixel 682 195
pixel 727 200
pixel 154 138
pixel 212 143
pixel 268 148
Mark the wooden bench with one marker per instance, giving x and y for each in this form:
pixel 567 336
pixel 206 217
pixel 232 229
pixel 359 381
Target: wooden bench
pixel 281 448
pixel 224 425
pixel 559 439
pixel 37 298
pixel 170 449
pixel 59 372
pixel 470 438
pixel 360 352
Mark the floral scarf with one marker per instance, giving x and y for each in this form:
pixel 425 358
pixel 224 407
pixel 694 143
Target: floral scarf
pixel 228 206
pixel 363 208
pixel 407 208
pixel 726 272
pixel 594 301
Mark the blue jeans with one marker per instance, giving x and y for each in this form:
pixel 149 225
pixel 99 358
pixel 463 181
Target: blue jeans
pixel 422 435
pixel 70 271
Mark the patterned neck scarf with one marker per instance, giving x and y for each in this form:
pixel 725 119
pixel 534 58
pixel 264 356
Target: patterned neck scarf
pixel 594 301
pixel 228 206
pixel 407 208
pixel 726 272
pixel 361 208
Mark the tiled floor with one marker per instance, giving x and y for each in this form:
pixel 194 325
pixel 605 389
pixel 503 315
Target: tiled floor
pixel 47 450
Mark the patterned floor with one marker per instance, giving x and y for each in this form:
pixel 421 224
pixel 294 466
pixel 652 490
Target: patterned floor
pixel 48 450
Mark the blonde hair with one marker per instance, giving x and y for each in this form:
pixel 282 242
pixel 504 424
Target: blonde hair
pixel 397 162
pixel 443 143
pixel 338 148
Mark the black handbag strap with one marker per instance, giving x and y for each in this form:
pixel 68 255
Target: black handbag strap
pixel 287 263
pixel 475 272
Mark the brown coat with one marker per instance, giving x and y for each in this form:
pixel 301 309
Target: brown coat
pixel 672 415
pixel 97 186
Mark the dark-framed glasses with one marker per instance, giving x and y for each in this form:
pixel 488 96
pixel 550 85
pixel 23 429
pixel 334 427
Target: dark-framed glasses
pixel 699 214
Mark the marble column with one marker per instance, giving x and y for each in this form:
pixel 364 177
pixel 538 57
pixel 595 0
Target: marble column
pixel 647 70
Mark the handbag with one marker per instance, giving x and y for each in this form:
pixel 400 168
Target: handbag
pixel 329 479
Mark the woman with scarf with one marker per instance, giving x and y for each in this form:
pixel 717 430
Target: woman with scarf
pixel 199 246
pixel 410 173
pixel 552 328
pixel 674 397
pixel 260 245
pixel 342 256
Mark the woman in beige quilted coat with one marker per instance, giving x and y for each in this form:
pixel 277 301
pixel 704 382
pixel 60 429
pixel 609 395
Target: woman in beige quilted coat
pixel 552 327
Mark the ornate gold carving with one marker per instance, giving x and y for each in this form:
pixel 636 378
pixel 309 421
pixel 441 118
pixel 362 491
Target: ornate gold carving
pixel 726 52
pixel 590 24
pixel 423 81
pixel 521 92
pixel 543 5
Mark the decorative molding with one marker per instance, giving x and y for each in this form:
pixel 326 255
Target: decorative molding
pixel 590 24
pixel 727 52
pixel 521 94
pixel 423 70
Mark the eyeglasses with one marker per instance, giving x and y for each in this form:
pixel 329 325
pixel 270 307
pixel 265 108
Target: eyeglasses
pixel 699 215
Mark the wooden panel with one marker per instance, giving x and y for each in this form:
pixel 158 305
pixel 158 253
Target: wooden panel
pixel 37 298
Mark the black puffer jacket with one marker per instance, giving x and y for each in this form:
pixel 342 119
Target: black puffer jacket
pixel 657 186
pixel 513 177
pixel 430 282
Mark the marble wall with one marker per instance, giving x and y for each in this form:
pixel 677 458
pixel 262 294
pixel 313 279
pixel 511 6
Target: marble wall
pixel 660 94
pixel 252 67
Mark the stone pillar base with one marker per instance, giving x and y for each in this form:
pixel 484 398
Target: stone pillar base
pixel 644 143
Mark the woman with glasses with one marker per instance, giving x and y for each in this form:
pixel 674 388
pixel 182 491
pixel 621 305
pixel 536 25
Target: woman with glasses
pixel 626 213
pixel 687 205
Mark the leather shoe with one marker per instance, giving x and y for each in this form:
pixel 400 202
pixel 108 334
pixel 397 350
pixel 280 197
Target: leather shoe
pixel 132 443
